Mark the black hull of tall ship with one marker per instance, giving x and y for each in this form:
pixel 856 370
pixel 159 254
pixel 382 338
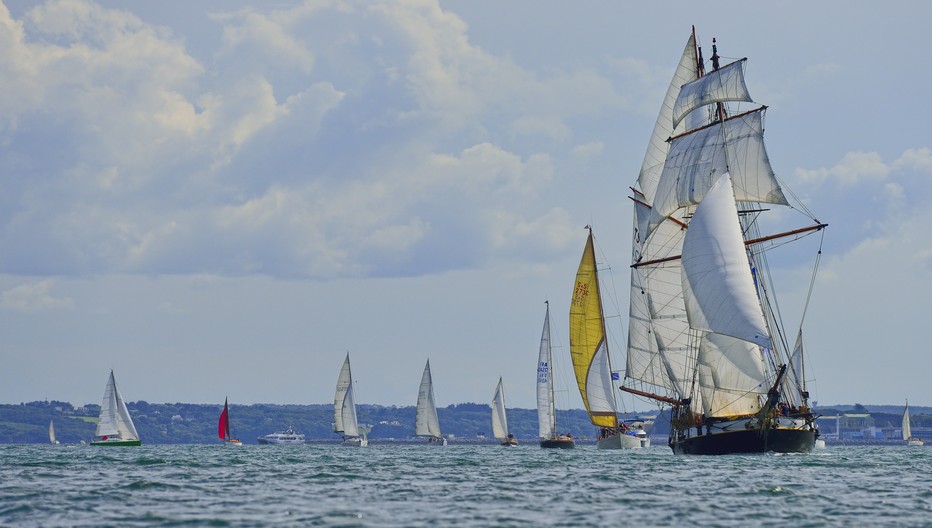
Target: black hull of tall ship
pixel 747 441
pixel 558 443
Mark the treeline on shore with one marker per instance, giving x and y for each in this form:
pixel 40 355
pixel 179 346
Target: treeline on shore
pixel 185 423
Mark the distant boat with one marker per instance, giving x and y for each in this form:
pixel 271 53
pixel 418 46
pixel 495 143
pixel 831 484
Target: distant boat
pixel 52 439
pixel 591 361
pixel 223 427
pixel 546 414
pixel 344 409
pixel 908 430
pixel 115 427
pixel 286 437
pixel 499 419
pixel 426 422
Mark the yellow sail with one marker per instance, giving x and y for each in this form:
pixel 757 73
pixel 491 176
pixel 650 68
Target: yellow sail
pixel 588 347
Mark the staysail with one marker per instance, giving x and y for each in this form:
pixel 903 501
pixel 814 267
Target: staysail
pixel 499 419
pixel 344 404
pixel 426 422
pixel 588 344
pixel 546 418
pixel 114 416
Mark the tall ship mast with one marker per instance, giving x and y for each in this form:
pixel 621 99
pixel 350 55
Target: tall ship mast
pixel 705 333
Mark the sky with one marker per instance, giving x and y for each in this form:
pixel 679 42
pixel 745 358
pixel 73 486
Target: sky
pixel 223 198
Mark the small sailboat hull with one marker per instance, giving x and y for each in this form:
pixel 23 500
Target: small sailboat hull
pixel 915 442
pixel 117 443
pixel 509 442
pixel 560 442
pixel 620 441
pixel 747 441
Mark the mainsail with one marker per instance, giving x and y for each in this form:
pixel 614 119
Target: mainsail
pixel 907 428
pixel 499 419
pixel 344 404
pixel 546 418
pixel 426 422
pixel 223 425
pixel 52 439
pixel 115 421
pixel 588 344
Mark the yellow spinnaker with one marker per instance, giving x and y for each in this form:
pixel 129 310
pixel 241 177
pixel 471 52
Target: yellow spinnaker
pixel 587 337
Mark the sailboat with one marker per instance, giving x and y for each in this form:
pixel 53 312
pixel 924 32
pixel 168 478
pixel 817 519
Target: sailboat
pixel 705 336
pixel 52 439
pixel 908 430
pixel 426 422
pixel 115 427
pixel 546 414
pixel 499 419
pixel 223 427
pixel 591 361
pixel 344 409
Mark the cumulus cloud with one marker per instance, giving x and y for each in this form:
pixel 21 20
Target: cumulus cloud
pixel 854 168
pixel 33 297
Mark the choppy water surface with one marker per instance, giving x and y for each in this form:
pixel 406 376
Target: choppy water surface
pixel 392 485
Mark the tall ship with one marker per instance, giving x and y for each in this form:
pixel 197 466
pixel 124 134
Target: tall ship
pixel 592 363
pixel 705 333
pixel 426 421
pixel 115 426
pixel 344 409
pixel 500 418
pixel 546 410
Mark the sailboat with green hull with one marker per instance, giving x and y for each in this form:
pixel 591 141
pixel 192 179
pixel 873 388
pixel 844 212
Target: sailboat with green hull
pixel 115 426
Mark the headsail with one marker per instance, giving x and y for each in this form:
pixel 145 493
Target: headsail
pixel 426 422
pixel 717 282
pixel 344 404
pixel 546 419
pixel 588 345
pixel 499 419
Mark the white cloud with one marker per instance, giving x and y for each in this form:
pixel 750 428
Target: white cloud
pixel 587 151
pixel 916 159
pixel 33 297
pixel 854 168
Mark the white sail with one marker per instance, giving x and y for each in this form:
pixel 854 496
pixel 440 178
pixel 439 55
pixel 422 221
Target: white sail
pixel 114 416
pixel 697 159
pixel 717 283
pixel 344 404
pixel 907 428
pixel 718 86
pixel 499 420
pixel 426 422
pixel 599 388
pixel 52 439
pixel 686 71
pixel 732 376
pixel 546 418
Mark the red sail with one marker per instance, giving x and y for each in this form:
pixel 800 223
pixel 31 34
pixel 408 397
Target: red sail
pixel 223 428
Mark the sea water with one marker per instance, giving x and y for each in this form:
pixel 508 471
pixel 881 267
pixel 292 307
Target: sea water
pixel 459 485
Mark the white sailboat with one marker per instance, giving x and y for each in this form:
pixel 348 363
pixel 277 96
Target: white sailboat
pixel 426 422
pixel 499 418
pixel 546 413
pixel 115 427
pixel 52 439
pixel 908 430
pixel 704 333
pixel 344 409
pixel 591 361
